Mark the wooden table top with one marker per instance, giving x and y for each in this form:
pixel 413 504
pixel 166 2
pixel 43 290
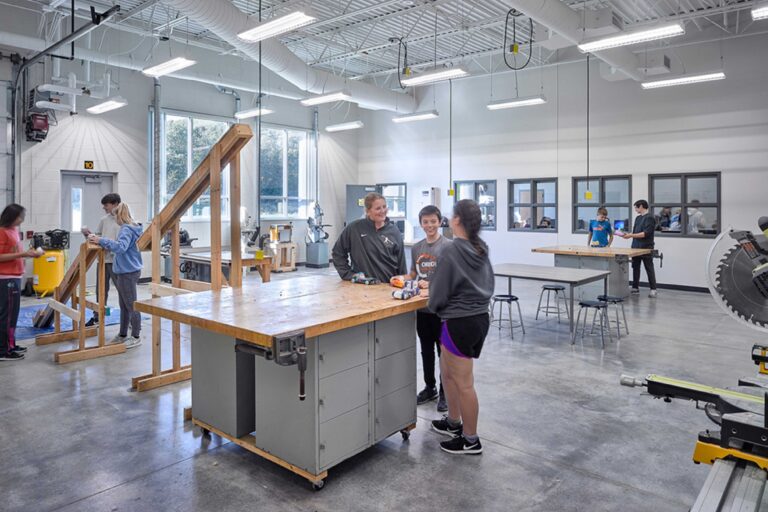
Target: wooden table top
pixel 247 259
pixel 259 311
pixel 599 252
pixel 573 276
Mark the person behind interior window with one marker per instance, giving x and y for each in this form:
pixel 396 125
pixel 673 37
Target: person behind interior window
pixel 600 230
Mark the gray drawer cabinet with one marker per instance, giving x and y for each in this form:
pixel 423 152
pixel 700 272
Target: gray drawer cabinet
pixel 360 388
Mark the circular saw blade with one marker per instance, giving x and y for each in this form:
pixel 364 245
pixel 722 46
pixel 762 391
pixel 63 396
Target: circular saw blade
pixel 733 282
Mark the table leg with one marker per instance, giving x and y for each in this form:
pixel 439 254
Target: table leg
pixel 605 286
pixel 509 286
pixel 573 339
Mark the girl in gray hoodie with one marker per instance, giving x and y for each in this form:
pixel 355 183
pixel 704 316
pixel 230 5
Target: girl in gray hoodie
pixel 459 293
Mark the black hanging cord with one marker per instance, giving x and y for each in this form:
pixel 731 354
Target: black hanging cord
pixel 404 47
pixel 587 121
pixel 514 13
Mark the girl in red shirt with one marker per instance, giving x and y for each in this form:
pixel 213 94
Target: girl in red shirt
pixel 12 256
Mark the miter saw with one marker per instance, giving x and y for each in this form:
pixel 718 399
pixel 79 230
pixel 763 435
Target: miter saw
pixel 737 271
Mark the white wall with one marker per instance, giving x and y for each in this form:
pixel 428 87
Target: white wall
pixel 720 126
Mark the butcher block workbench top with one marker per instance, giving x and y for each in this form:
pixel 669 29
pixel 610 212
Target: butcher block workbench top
pixel 257 312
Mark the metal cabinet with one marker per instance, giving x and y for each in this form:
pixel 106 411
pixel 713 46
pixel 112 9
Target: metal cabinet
pixel 360 387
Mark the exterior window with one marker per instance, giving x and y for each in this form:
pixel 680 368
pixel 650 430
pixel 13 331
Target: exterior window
pixel 186 140
pixel 686 204
pixel 285 164
pixel 484 192
pixel 612 192
pixel 533 205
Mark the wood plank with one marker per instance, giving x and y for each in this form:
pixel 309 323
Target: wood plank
pixel 61 336
pixel 147 382
pixel 157 336
pixel 81 291
pixel 176 345
pixel 194 286
pixel 598 252
pixel 175 253
pixel 257 312
pixel 66 310
pixel 248 442
pixel 216 277
pixel 163 290
pixel 100 307
pixel 236 268
pixel 70 356
pixel 187 414
pixel 231 143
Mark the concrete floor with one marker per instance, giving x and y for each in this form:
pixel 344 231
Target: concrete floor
pixel 559 432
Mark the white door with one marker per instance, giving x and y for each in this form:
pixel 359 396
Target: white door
pixel 81 193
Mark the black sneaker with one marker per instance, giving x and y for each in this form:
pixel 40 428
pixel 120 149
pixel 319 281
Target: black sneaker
pixel 426 395
pixel 442 405
pixel 19 349
pixel 12 356
pixel 635 290
pixel 460 446
pixel 441 426
pixel 93 321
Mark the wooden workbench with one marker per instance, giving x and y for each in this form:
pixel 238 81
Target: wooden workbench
pixel 360 381
pixel 613 259
pixel 598 252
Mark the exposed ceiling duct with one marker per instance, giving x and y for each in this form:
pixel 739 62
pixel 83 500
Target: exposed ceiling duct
pixel 225 20
pixel 560 18
pixel 35 44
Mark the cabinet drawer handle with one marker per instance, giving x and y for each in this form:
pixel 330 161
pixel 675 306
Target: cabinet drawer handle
pixel 322 446
pixel 321 402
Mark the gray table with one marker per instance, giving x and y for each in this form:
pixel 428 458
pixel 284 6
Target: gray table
pixel 573 277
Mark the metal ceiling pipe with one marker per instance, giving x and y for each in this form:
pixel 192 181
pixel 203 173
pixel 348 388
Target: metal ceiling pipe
pixel 226 21
pixel 565 21
pixel 126 62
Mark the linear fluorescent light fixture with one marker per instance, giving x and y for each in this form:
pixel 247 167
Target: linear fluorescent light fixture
pixel 326 98
pixel 111 104
pixel 639 36
pixel 50 105
pixel 352 125
pixel 167 67
pixel 517 102
pixel 760 13
pixel 252 112
pixel 416 116
pixel 684 80
pixel 277 26
pixel 434 76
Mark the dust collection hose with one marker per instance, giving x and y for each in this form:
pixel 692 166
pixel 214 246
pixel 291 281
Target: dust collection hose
pixel 302 361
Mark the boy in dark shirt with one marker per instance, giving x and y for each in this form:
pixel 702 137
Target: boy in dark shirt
pixel 642 238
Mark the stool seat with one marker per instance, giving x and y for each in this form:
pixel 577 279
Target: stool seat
pixel 592 304
pixel 505 298
pixel 553 287
pixel 613 299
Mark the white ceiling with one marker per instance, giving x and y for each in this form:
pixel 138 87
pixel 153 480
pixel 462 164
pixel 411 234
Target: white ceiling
pixel 351 38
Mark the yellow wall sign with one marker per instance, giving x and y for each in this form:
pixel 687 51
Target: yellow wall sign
pixel 88 165
pixel 361 202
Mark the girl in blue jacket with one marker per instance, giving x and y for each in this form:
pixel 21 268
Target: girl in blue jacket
pixel 127 270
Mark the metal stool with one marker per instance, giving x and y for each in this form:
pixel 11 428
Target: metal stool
pixel 605 323
pixel 613 300
pixel 508 300
pixel 558 289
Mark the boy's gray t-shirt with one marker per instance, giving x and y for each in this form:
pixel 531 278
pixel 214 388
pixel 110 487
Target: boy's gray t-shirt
pixel 424 259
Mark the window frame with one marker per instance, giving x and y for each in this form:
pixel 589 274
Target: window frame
pixel 684 205
pixel 311 171
pixel 380 189
pixel 533 205
pixel 601 200
pixel 190 116
pixel 475 184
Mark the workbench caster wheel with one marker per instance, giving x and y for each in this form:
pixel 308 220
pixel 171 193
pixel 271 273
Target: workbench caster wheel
pixel 406 434
pixel 316 486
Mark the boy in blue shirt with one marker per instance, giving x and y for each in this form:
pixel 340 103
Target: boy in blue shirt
pixel 600 231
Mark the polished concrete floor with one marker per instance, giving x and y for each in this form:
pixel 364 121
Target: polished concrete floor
pixel 559 432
